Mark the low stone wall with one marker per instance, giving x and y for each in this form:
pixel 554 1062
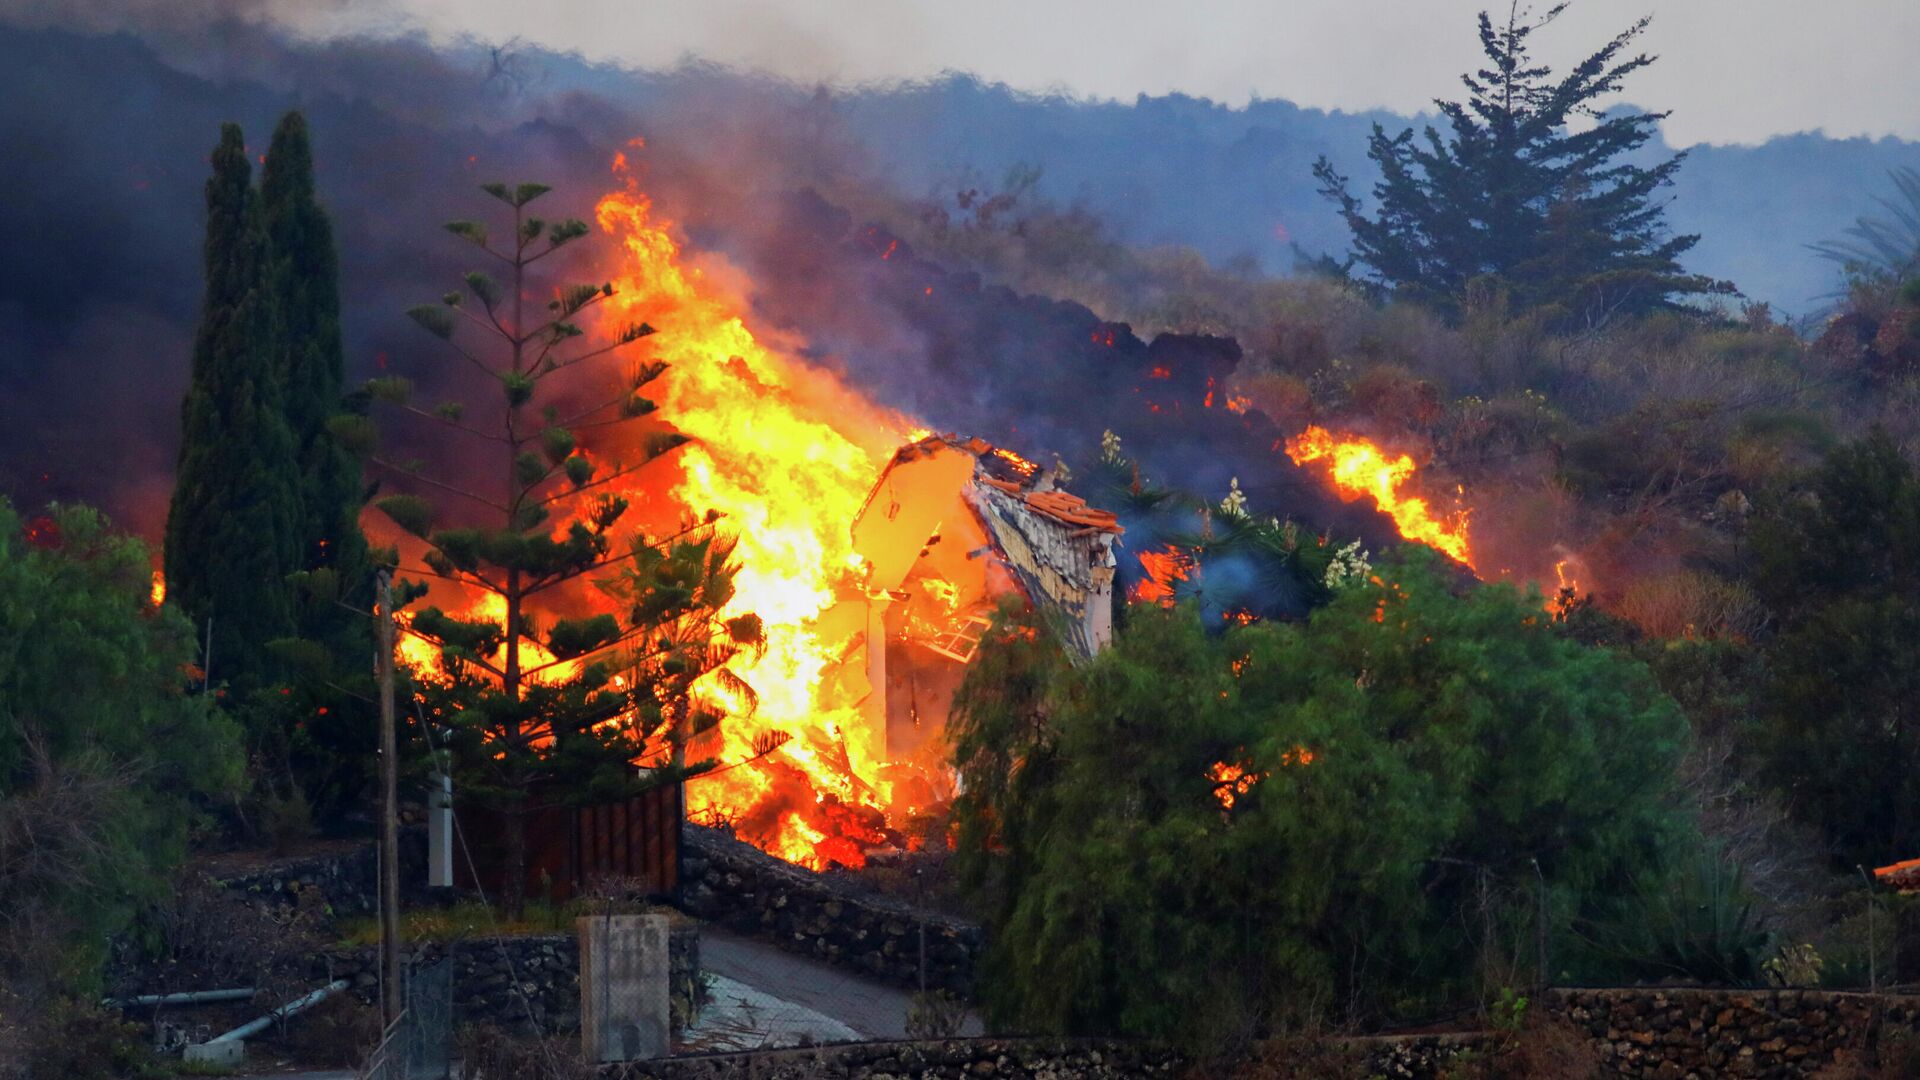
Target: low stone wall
pixel 1750 1033
pixel 347 877
pixel 525 984
pixel 750 892
pixel 1412 1057
pixel 1054 1059
pixel 1666 1034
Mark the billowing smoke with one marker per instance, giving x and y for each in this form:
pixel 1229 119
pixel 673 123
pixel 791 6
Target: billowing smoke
pixel 108 136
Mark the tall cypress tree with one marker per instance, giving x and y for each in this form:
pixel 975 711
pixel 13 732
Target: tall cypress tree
pixel 233 527
pixel 303 278
pixel 323 733
pixel 1512 199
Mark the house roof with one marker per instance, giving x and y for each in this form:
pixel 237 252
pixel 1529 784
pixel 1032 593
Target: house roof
pixel 1060 506
pixel 1904 875
pixel 1009 472
pixel 1058 549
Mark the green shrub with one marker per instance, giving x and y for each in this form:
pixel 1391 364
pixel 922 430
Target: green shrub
pixel 1694 923
pixel 74 1040
pixel 1193 830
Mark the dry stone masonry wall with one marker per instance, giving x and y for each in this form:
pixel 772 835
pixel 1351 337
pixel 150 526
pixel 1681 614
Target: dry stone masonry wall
pixel 1661 1034
pixel 525 985
pixel 1029 1059
pixel 753 893
pixel 1681 1033
pixel 347 879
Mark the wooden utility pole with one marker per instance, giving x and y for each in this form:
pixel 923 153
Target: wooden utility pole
pixel 391 997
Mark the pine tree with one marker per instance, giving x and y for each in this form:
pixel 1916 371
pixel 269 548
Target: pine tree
pixel 542 709
pixel 1513 203
pixel 233 527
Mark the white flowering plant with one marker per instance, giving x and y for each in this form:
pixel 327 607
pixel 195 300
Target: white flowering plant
pixel 1349 566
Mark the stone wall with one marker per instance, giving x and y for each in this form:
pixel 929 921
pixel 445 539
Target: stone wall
pixel 521 984
pixel 1054 1059
pixel 1750 1033
pixel 347 876
pixel 1669 1034
pixel 1416 1057
pixel 750 892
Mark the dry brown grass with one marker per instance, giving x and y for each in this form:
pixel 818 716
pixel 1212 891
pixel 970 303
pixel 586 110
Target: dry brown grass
pixel 338 1033
pixel 1689 603
pixel 490 1052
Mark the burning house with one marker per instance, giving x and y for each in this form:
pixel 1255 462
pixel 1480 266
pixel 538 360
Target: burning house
pixel 950 527
pixel 872 566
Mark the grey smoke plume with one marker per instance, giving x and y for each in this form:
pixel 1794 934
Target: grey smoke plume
pixel 98 296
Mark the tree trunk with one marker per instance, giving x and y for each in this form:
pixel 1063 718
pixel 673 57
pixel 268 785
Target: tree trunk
pixel 514 894
pixel 391 990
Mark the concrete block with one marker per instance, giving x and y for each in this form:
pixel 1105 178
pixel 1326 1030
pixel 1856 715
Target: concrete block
pixel 624 972
pixel 223 1052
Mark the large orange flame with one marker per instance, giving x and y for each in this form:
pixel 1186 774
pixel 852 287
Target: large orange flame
pixel 1359 467
pixel 786 454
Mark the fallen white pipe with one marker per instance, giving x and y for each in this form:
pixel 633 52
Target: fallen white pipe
pixel 291 1007
pixel 185 997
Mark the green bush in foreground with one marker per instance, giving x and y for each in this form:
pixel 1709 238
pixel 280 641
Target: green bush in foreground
pixel 1210 837
pixel 103 752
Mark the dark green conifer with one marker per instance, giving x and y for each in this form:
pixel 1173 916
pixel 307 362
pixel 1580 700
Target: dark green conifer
pixel 1513 205
pixel 303 277
pixel 325 733
pixel 233 526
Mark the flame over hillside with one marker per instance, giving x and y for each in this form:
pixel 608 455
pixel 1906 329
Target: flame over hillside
pixel 786 455
pixel 1359 467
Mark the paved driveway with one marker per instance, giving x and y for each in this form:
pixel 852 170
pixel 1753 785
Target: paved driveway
pixel 874 1010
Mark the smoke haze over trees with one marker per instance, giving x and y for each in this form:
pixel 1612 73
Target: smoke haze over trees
pixel 104 127
pixel 1596 731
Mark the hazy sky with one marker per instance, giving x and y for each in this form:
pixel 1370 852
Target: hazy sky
pixel 1730 70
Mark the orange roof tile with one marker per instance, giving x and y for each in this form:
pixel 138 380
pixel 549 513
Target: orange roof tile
pixel 1904 875
pixel 1072 509
pixel 1059 505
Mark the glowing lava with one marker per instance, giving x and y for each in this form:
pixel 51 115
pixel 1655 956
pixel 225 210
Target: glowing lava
pixel 1358 467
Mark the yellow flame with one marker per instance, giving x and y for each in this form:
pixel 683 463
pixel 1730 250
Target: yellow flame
pixel 787 455
pixel 1358 467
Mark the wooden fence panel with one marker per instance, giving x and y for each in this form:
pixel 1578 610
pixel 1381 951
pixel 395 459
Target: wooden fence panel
pixel 568 849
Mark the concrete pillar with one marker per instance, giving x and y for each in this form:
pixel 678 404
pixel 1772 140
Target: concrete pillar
pixel 440 833
pixel 623 987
